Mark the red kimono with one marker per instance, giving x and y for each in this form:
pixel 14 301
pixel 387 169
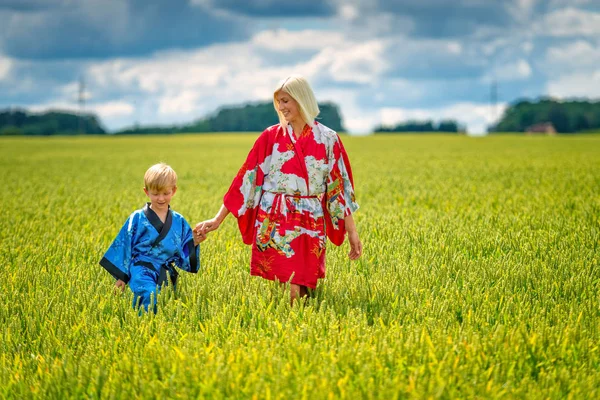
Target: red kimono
pixel 292 192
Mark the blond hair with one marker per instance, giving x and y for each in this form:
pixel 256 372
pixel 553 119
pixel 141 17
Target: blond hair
pixel 160 176
pixel 299 89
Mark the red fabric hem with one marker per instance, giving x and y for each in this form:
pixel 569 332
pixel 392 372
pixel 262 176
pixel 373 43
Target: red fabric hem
pixel 273 279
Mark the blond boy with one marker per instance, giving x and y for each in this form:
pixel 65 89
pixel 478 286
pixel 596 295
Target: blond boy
pixel 153 241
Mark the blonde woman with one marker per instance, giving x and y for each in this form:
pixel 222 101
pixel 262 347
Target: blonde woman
pixel 294 190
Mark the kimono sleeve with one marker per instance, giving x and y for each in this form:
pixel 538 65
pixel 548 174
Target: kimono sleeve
pixel 243 197
pixel 339 198
pixel 190 260
pixel 117 258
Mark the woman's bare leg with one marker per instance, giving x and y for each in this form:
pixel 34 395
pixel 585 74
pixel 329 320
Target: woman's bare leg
pixel 304 291
pixel 297 292
pixel 294 292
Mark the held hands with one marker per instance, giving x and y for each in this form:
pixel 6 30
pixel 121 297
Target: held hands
pixel 202 228
pixel 199 237
pixel 355 245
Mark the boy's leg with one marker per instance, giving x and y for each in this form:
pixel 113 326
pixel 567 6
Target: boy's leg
pixel 143 284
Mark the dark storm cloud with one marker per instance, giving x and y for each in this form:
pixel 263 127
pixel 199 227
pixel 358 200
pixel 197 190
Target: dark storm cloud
pixel 441 18
pixel 277 8
pixel 34 82
pixel 29 5
pixel 100 29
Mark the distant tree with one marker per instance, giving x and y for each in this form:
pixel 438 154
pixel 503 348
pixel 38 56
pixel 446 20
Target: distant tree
pixel 50 123
pixel 330 117
pixel 253 117
pixel 448 126
pixel 445 126
pixel 558 116
pixel 565 116
pixel 10 130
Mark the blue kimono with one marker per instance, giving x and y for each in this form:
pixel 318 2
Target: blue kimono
pixel 145 251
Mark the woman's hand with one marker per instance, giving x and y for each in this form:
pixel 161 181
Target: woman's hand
pixel 202 228
pixel 355 245
pixel 353 239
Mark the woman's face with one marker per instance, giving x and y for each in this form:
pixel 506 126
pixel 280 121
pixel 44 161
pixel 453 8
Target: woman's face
pixel 288 107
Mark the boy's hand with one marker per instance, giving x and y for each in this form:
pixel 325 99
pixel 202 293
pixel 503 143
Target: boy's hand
pixel 199 237
pixel 120 285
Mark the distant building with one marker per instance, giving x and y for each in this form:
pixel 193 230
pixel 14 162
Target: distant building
pixel 544 128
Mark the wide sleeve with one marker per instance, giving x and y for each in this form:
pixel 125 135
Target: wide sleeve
pixel 117 258
pixel 190 260
pixel 339 200
pixel 243 197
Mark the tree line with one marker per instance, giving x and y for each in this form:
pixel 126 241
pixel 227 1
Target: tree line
pixel 565 116
pixel 245 118
pixel 445 126
pixel 253 117
pixel 21 122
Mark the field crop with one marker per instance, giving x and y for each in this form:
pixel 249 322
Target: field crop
pixel 480 276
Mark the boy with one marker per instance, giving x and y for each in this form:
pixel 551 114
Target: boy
pixel 152 241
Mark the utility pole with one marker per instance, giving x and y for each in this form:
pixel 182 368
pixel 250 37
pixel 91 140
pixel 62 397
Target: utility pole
pixel 494 101
pixel 81 102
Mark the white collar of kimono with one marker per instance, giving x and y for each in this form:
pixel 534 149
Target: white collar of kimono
pixel 290 130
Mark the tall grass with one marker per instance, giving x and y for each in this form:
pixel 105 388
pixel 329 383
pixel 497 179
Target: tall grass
pixel 480 276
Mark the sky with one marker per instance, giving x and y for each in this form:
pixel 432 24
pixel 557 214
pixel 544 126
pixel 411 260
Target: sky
pixel 381 61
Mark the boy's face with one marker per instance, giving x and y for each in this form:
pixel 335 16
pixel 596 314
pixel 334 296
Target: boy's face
pixel 160 198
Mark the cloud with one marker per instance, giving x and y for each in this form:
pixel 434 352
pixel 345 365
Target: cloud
pixel 574 56
pixel 194 82
pixel 108 28
pixel 522 10
pixel 5 66
pixel 34 82
pixel 285 41
pixel 348 12
pixel 440 18
pixel 573 69
pixel 420 58
pixel 350 63
pixel 517 70
pixel 357 119
pixel 177 86
pixel 166 62
pixel 29 5
pixel 564 3
pixel 576 85
pixel 179 103
pixel 273 8
pixel 569 22
pixel 113 109
pixel 107 110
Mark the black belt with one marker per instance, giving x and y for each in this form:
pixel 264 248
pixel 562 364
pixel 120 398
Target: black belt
pixel 162 273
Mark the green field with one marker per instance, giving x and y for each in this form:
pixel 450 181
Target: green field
pixel 480 276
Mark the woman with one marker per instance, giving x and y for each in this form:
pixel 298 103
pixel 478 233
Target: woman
pixel 294 190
